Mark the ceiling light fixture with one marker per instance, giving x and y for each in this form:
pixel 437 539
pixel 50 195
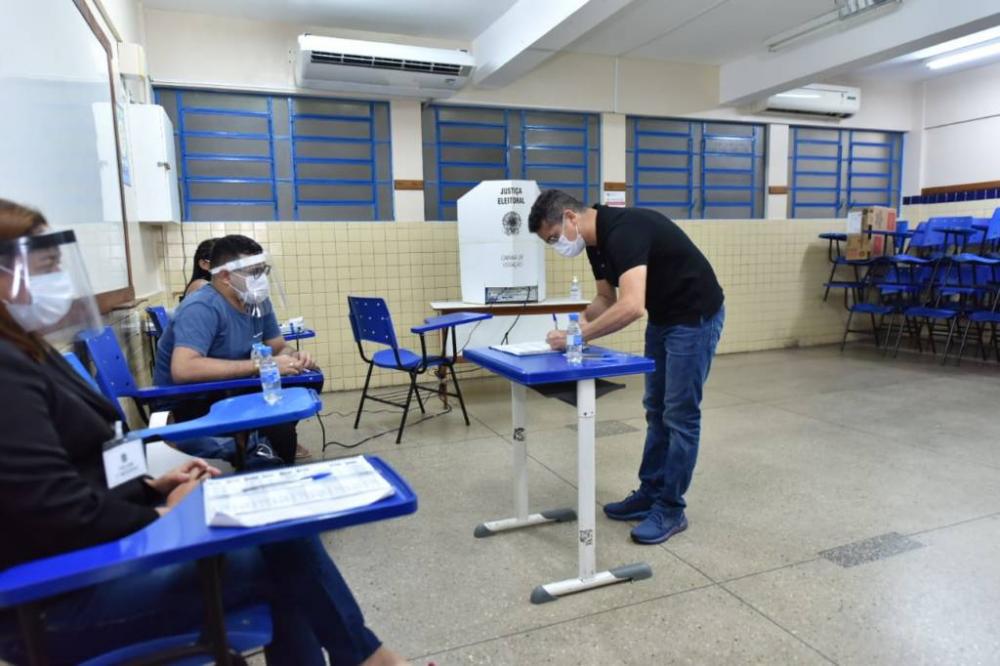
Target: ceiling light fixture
pixel 965 56
pixel 848 14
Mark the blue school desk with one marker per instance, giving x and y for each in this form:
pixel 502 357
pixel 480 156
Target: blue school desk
pixel 182 534
pixel 524 371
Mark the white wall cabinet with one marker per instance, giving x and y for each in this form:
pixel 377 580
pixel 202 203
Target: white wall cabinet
pixel 154 164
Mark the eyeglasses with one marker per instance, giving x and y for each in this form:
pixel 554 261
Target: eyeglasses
pixel 254 271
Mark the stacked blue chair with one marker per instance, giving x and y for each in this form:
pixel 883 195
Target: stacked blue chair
pixel 921 269
pixel 981 309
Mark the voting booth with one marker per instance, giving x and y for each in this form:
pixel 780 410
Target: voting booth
pixel 501 261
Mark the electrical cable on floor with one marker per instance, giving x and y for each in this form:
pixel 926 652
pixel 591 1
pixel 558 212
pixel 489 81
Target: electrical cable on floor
pixel 401 394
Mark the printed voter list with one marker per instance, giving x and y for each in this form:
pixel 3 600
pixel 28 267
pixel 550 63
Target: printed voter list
pixel 251 500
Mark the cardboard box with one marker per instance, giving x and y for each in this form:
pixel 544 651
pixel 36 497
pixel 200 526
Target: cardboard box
pixel 861 244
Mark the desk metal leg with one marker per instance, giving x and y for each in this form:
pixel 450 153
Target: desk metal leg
pixel 215 617
pixel 518 401
pixel 588 577
pixel 29 619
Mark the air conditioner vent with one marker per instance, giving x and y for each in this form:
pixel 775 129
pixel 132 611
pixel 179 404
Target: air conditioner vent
pixel 383 68
pixel 395 64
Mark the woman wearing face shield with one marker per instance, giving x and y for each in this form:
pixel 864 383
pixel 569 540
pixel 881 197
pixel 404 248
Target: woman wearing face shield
pixel 54 497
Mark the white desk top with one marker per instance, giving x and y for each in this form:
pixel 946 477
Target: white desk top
pixel 547 303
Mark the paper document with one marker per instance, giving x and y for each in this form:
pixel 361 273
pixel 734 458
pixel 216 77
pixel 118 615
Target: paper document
pixel 526 348
pixel 251 500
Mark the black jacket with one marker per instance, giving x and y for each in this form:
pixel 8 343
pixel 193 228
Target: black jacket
pixel 53 494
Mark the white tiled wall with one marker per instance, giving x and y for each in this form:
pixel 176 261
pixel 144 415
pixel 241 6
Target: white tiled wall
pixel 771 270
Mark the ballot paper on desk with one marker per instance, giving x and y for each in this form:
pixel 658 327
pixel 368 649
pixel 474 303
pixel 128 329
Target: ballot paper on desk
pixel 261 498
pixel 525 348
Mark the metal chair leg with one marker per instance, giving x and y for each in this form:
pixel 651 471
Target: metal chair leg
pixel 947 341
pixel 406 409
pixel 458 392
pixel 965 338
pixel 847 328
pixel 420 402
pixel 899 336
pixel 833 270
pixel 364 394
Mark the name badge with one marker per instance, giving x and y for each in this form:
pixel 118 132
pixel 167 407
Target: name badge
pixel 124 460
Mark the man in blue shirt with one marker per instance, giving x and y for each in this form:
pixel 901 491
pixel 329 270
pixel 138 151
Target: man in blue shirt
pixel 212 332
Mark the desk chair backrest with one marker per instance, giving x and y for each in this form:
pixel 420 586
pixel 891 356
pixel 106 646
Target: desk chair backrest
pixel 935 238
pixel 992 238
pixel 75 363
pixel 110 365
pixel 931 238
pixel 371 321
pixel 158 315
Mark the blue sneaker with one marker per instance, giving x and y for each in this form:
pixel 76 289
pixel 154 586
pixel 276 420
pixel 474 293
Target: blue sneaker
pixel 633 507
pixel 657 528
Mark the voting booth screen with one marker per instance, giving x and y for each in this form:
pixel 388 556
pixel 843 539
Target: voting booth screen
pixel 501 261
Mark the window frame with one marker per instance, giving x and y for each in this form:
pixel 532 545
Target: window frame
pixel 273 136
pixel 845 172
pixel 697 136
pixel 432 138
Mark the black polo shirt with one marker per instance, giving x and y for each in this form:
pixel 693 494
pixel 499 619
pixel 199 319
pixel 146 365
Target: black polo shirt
pixel 681 287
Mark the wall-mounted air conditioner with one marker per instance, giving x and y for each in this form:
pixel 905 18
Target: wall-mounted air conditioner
pixel 355 66
pixel 813 100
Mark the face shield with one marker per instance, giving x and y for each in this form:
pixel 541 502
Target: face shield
pixel 255 282
pixel 45 288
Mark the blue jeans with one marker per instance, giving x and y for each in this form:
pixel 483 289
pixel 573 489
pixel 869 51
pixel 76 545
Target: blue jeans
pixel 683 356
pixel 312 608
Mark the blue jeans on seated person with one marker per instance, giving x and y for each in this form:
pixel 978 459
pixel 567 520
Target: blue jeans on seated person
pixel 259 454
pixel 683 356
pixel 312 608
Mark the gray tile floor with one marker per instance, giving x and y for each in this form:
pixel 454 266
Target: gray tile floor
pixel 845 509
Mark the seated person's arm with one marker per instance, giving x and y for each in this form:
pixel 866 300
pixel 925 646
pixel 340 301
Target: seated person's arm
pixel 290 361
pixel 188 366
pixel 42 486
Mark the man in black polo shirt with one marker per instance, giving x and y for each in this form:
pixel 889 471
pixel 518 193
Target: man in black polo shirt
pixel 643 262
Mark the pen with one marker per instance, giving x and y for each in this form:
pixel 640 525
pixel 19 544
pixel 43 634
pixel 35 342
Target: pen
pixel 555 320
pixel 314 477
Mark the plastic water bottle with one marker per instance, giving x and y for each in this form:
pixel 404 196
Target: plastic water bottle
pixel 270 376
pixel 574 290
pixel 574 340
pixel 255 355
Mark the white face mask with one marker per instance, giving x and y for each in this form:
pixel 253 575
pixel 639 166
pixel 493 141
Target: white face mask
pixel 52 296
pixel 256 289
pixel 567 247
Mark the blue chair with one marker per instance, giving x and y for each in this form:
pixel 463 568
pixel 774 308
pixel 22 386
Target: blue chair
pixel 157 322
pixel 871 300
pixel 77 365
pixel 246 629
pixel 116 381
pixel 159 318
pixel 371 322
